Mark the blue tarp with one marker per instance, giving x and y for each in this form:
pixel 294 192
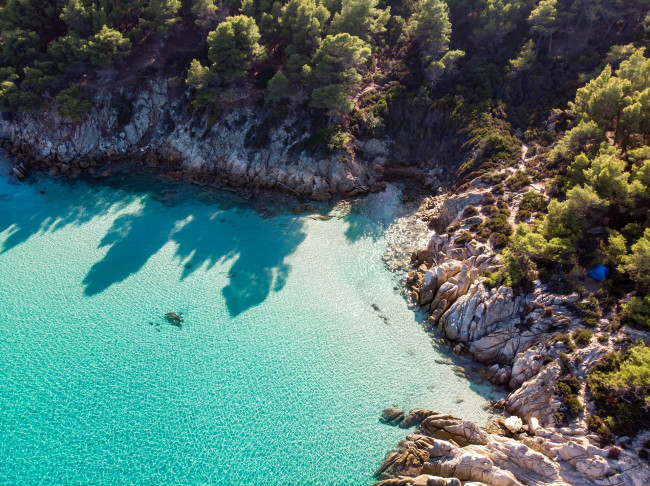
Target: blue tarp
pixel 599 272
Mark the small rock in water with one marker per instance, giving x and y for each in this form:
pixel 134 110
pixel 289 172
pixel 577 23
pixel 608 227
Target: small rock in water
pixel 391 416
pixel 174 319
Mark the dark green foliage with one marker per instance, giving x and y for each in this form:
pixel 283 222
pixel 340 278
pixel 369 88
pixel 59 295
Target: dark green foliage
pixel 494 178
pixel 496 226
pixel 566 339
pixel 470 211
pixel 636 312
pixel 589 310
pixel 582 336
pixel 518 181
pixel 620 386
pixel 331 139
pixel 496 146
pixel 12 98
pixel 233 46
pixel 336 68
pixel 72 103
pixel 568 388
pixel 360 18
pixel 531 203
pixel 465 237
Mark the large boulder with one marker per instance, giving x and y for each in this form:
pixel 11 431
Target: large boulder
pixel 452 208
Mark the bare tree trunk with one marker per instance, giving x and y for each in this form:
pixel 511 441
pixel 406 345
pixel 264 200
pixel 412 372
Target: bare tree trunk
pixel 550 44
pixel 609 28
pixel 584 42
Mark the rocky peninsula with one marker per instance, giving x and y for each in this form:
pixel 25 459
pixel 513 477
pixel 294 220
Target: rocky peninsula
pixel 525 342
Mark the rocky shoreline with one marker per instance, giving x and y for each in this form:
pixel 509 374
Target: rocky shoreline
pixel 249 146
pixel 518 341
pixel 447 451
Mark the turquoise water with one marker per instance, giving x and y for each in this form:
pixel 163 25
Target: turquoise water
pixel 295 338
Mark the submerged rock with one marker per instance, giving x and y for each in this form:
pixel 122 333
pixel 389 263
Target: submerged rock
pixel 391 416
pixel 174 319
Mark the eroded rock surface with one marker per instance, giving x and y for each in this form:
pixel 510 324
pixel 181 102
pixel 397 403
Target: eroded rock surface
pixel 524 342
pixel 446 450
pixel 246 147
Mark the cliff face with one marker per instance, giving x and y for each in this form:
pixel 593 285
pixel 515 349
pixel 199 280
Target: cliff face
pixel 246 146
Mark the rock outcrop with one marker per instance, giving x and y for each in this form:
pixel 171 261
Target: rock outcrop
pixel 524 342
pixel 510 334
pixel 246 147
pixel 446 450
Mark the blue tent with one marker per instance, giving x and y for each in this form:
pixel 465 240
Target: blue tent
pixel 599 272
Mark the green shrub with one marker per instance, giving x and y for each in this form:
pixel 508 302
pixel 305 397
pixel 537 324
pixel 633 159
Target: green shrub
pixel 498 189
pixel 494 178
pixel 513 273
pixel 470 211
pixel 589 310
pixel 494 146
pixel 518 181
pixel 531 203
pixel 568 388
pixel 488 198
pixel 330 139
pixel 620 385
pixel 582 336
pixel 72 103
pixel 636 313
pixel 602 429
pixel 465 237
pixel 489 209
pixel 565 339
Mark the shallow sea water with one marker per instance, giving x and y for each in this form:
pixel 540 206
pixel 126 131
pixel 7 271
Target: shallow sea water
pixel 295 337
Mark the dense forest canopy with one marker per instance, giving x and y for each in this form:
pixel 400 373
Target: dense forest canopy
pixel 326 54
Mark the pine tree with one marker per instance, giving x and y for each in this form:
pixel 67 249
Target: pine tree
pixel 360 18
pixel 543 22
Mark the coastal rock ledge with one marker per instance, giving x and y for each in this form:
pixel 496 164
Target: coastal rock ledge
pixel 448 451
pixel 247 147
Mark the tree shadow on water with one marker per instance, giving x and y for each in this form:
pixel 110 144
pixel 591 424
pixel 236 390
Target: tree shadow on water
pixel 203 238
pixel 24 213
pixel 203 234
pixel 259 251
pixel 132 240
